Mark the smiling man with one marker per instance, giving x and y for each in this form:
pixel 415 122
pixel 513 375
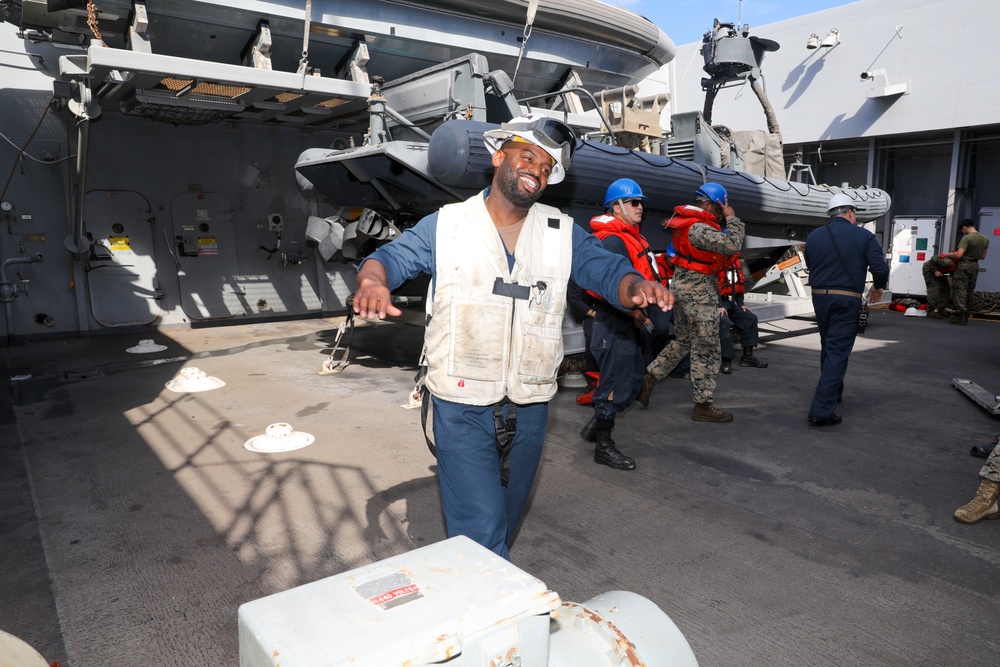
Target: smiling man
pixel 499 264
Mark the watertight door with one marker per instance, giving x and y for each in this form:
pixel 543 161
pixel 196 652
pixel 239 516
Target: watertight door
pixel 122 275
pixel 204 240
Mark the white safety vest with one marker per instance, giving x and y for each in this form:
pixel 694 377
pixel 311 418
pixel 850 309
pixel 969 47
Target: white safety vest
pixel 482 346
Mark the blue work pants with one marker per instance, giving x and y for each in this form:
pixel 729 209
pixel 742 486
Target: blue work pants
pixel 837 317
pixel 616 346
pixel 475 504
pixel 745 322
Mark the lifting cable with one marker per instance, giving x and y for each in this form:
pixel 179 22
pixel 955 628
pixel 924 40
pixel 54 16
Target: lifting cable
pixel 532 9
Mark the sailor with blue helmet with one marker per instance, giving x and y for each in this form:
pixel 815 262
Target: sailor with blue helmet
pixel 617 339
pixel 703 249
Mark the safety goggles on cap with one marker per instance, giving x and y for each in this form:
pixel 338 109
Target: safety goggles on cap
pixel 558 133
pixel 553 136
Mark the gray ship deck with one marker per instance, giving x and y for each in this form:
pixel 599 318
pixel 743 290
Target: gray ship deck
pixel 134 522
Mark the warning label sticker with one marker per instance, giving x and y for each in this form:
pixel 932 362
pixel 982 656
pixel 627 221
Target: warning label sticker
pixel 207 245
pixel 391 591
pixel 119 244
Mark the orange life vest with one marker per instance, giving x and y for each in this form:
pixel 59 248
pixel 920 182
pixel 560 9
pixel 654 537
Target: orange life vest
pixel 689 257
pixel 731 279
pixel 639 253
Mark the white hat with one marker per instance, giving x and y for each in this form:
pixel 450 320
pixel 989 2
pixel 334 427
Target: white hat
pixel 551 135
pixel 839 201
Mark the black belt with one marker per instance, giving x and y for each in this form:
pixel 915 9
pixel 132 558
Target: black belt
pixel 838 292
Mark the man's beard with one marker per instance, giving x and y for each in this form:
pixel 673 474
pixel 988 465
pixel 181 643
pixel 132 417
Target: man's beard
pixel 508 184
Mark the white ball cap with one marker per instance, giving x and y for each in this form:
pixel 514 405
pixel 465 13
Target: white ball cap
pixel 839 200
pixel 549 134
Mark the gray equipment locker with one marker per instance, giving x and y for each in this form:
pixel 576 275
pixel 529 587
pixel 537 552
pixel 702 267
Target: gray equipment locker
pixel 989 268
pixel 915 239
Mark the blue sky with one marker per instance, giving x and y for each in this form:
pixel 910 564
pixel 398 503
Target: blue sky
pixel 685 21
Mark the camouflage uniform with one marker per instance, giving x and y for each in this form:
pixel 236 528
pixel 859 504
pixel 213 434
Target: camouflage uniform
pixel 963 280
pixel 991 470
pixel 938 288
pixel 963 283
pixel 696 312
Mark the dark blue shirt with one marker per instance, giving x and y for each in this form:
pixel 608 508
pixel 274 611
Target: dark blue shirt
pixel 859 249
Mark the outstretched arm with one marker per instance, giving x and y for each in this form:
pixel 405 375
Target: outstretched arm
pixel 411 254
pixel 634 292
pixel 372 298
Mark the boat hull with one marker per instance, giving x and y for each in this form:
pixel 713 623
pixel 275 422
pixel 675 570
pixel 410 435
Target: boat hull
pixel 417 178
pixel 606 46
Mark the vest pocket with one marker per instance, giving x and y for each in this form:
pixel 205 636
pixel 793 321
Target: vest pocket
pixel 541 349
pixel 480 335
pixel 541 354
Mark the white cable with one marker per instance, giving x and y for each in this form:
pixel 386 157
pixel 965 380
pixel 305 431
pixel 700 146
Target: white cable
pixel 32 158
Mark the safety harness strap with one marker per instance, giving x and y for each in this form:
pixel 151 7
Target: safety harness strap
pixel 425 406
pixel 695 260
pixel 505 431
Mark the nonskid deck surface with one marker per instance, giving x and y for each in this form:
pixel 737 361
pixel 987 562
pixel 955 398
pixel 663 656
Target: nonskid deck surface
pixel 134 521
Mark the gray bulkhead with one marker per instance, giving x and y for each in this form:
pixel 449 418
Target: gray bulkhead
pixel 186 223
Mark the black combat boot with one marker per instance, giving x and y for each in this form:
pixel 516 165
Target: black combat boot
pixel 984 451
pixel 605 451
pixel 749 360
pixel 961 317
pixel 589 431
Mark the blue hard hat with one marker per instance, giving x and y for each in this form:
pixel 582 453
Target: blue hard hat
pixel 623 188
pixel 670 250
pixel 713 192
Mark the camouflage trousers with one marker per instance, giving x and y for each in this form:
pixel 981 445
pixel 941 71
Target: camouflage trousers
pixel 992 468
pixel 963 283
pixel 938 291
pixel 696 327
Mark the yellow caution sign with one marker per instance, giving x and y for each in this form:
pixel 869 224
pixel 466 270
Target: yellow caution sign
pixel 207 245
pixel 119 243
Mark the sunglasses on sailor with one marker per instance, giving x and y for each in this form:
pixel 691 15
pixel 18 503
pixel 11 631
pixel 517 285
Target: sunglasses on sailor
pixel 634 202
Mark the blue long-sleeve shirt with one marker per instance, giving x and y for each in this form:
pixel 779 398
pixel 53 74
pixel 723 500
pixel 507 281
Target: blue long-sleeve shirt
pixel 861 253
pixel 593 267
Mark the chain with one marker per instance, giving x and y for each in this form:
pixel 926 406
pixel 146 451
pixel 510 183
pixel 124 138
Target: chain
pixel 92 12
